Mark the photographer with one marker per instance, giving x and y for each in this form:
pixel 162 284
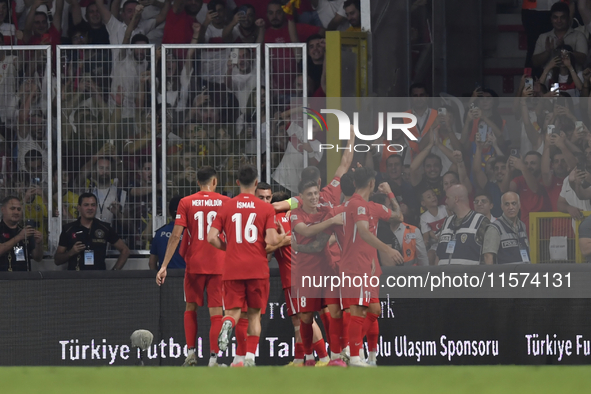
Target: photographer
pixel 83 243
pixel 17 244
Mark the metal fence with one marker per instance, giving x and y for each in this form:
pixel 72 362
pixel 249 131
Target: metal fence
pixel 26 129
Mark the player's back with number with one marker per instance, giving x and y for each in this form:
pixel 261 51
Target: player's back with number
pixel 196 213
pixel 244 220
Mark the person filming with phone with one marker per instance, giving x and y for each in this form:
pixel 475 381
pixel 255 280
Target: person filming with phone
pixel 18 243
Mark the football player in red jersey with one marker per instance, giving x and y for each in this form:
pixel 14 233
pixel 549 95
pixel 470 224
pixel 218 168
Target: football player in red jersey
pixel 204 262
pixel 359 257
pixel 251 231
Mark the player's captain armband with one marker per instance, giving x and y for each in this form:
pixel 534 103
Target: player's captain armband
pixel 293 203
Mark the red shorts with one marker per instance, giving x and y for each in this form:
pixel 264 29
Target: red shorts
pixel 252 292
pixel 244 308
pixel 332 297
pixel 196 284
pixel 289 305
pixel 307 304
pixel 369 295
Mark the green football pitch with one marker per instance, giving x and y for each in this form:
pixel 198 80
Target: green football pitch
pixel 262 380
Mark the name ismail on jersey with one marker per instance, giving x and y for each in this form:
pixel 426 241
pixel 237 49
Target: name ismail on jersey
pixel 249 204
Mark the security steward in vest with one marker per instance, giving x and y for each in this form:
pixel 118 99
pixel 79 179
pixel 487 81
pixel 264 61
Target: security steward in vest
pixel 462 234
pixel 18 243
pixel 83 243
pixel 505 241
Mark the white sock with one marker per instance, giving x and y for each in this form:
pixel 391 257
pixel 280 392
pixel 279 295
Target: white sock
pixel 346 350
pixel 238 359
pixel 373 356
pixel 249 356
pixel 309 357
pixel 325 359
pixel 191 351
pixel 213 355
pixel 362 353
pixel 355 360
pixel 335 356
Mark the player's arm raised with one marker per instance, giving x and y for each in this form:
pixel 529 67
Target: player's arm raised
pixel 173 242
pixel 347 157
pixel 390 254
pixel 396 215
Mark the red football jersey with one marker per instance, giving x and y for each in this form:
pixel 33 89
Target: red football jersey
pixel 283 254
pixel 196 213
pixel 330 194
pixel 244 221
pixel 308 263
pixel 357 255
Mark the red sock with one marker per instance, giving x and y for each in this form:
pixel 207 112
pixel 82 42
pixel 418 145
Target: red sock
pixel 372 336
pixel 241 329
pixel 346 323
pixel 299 351
pixel 320 348
pixel 214 331
pixel 191 328
pixel 325 317
pixel 369 319
pixel 355 335
pixel 229 318
pixel 336 334
pixel 252 341
pixel 306 332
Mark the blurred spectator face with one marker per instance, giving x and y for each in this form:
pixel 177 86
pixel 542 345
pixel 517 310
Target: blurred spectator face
pixel 87 208
pixel 482 205
pixel 244 61
pixel 418 98
pixel 299 86
pixel 316 51
pixel 264 195
pixel 432 168
pixel 34 165
pixel 208 115
pixel 353 15
pixel 406 173
pixel 429 199
pixel 486 102
pixel 500 170
pixel 560 21
pixel 37 127
pixel 449 180
pixel 40 26
pixel 559 166
pixel 221 10
pixel 103 173
pixel 532 162
pixel 93 15
pixel 147 173
pixel 12 212
pixel 249 20
pixel 510 205
pixel 3 11
pixel 90 131
pixel 192 7
pixel 222 139
pixel 394 167
pixel 79 38
pixel 65 180
pixel 127 12
pixel 172 64
pixel 140 53
pixel 275 15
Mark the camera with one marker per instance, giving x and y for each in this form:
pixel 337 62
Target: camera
pixel 514 153
pixel 442 111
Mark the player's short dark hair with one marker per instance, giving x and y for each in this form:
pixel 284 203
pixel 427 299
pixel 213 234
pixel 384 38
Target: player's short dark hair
pixel 304 185
pixel 310 173
pixel 8 199
pixel 363 176
pixel 533 153
pixel 452 173
pixel 280 196
pixel 560 7
pixel 205 174
pixel 348 184
pixel 356 3
pixel 433 156
pixel 173 205
pixel 140 37
pixel 314 37
pixel 247 175
pixel 84 196
pixel 263 186
pixel 417 85
pixel 483 194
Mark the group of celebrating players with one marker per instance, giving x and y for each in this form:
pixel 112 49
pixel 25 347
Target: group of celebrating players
pixel 226 248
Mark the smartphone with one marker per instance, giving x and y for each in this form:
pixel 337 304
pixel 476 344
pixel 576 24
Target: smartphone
pixel 31 223
pixel 550 129
pixel 514 153
pixel 555 87
pixel 482 131
pixel 234 56
pixel 527 71
pixel 473 106
pixel 582 165
pixel 529 83
pixel 578 124
pixel 442 111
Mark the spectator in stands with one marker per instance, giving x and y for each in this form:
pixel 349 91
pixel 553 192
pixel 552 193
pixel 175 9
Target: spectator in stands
pixel 263 192
pixel 9 65
pixel 491 186
pixel 529 111
pixel 83 243
pixel 32 137
pixel 528 186
pixel 18 244
pixel 110 197
pixel 353 12
pixel 316 50
pixel 7 22
pixel 69 210
pixel 97 31
pixel 431 222
pixel 585 238
pixel 557 162
pixel 37 29
pixel 213 61
pixel 180 18
pixel 243 27
pixel 141 207
pixel 241 79
pixel 332 14
pixel 426 117
pixel 484 206
pixel 562 69
pixel 449 138
pixel 562 33
pixel 400 187
pixel 34 199
pixel 160 241
pixel 575 194
pixel 425 170
pixel 462 235
pixel 505 240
